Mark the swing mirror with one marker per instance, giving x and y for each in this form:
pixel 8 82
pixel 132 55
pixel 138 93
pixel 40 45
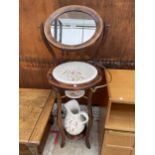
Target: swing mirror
pixel 73 27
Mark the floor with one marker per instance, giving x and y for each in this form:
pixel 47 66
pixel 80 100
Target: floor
pixel 73 146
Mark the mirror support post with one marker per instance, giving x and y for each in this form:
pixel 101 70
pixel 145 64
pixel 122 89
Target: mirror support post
pixel 55 60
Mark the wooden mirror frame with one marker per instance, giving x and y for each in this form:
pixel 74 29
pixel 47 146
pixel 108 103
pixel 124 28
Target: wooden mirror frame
pixel 84 9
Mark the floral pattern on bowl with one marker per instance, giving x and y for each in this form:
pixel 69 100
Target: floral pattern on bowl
pixel 73 75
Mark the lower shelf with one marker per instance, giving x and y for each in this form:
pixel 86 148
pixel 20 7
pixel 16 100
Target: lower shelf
pixel 115 150
pixel 119 138
pixel 121 117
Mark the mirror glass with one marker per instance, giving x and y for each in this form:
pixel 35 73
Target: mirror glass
pixel 73 28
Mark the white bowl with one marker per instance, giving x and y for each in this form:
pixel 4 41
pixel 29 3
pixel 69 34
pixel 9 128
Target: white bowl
pixel 74 72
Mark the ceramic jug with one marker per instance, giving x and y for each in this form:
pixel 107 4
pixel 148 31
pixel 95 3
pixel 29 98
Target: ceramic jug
pixel 75 119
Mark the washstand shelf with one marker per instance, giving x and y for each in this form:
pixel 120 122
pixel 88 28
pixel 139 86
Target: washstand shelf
pixel 90 87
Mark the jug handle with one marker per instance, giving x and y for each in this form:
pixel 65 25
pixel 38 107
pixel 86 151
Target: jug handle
pixel 86 117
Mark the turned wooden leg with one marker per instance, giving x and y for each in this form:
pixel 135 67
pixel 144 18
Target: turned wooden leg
pixel 33 149
pixel 59 118
pixel 90 122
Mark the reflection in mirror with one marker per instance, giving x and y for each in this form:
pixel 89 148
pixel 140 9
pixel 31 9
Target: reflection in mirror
pixel 73 28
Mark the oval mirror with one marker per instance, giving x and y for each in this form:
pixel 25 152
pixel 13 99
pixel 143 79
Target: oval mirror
pixel 73 27
pixel 74 24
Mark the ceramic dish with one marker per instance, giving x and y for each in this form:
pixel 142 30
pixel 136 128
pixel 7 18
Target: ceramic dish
pixel 74 94
pixel 74 72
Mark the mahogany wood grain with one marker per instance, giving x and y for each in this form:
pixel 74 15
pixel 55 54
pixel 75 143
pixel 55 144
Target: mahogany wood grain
pixel 59 117
pixel 90 122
